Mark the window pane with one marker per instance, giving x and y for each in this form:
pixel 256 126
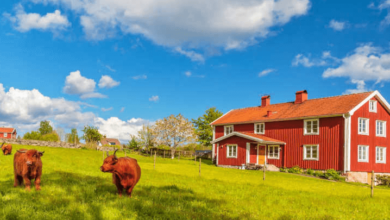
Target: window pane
pixel 314 152
pixel 308 126
pixel 308 152
pixel 364 153
pixel 271 151
pixel 235 151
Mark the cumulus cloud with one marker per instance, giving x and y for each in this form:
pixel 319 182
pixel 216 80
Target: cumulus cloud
pixel 140 77
pixel 154 98
pixel 360 87
pixel 228 24
pixel 384 5
pixel 76 84
pixel 337 25
pixel 107 82
pixel 25 22
pixel 266 72
pixel 307 61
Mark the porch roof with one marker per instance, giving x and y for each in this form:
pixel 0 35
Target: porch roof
pixel 250 136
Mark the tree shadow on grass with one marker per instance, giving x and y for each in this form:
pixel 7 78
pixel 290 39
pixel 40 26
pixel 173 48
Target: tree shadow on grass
pixel 67 195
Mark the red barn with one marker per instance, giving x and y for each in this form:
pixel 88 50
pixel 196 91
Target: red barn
pixel 8 133
pixel 347 133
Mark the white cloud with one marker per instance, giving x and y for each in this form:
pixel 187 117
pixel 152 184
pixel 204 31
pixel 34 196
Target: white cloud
pixel 360 87
pixel 116 128
pixel 337 25
pixel 25 22
pixel 107 109
pixel 188 73
pixel 107 82
pixel 365 63
pixel 140 77
pixel 307 61
pixel 266 72
pixel 122 109
pixel 383 6
pixel 76 84
pixel 154 98
pixel 227 24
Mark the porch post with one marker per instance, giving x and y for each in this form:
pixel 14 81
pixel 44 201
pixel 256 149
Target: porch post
pixel 248 145
pixel 257 155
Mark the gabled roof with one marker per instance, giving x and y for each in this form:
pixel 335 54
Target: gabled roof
pixel 250 136
pixel 330 106
pixel 107 141
pixel 7 130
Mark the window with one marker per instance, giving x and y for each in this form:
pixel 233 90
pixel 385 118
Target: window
pixel 228 129
pixel 363 126
pixel 312 126
pixel 273 152
pixel 112 143
pixel 381 128
pixel 363 153
pixel 5 135
pixel 380 154
pixel 373 105
pixel 231 151
pixel 310 152
pixel 260 128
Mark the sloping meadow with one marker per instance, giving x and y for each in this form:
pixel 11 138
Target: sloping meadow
pixel 73 187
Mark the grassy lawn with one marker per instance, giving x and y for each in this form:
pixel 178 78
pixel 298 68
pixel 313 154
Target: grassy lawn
pixel 74 188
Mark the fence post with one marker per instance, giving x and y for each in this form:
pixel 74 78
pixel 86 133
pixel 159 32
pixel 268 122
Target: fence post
pixel 164 153
pixel 124 151
pixel 372 183
pixel 200 163
pixel 264 171
pixel 150 152
pixel 179 156
pixel 154 166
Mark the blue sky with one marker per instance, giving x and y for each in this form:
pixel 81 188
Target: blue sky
pixel 168 57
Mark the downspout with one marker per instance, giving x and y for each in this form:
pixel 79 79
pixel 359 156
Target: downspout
pixel 347 150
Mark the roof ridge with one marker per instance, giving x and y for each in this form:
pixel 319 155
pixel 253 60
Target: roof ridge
pixel 307 100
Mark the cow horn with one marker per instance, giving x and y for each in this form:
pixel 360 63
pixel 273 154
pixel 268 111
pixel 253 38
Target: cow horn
pixel 22 151
pixel 41 152
pixel 115 153
pixel 108 154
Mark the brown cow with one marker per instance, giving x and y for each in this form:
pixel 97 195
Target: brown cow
pixel 7 149
pixel 125 172
pixel 28 166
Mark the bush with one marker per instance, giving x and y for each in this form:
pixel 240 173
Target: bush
pixel 34 135
pixel 332 174
pixel 383 180
pixel 295 169
pixel 318 174
pixel 310 172
pixel 283 169
pixel 50 137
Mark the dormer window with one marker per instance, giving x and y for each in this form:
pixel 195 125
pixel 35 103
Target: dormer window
pixel 228 129
pixel 260 128
pixel 373 106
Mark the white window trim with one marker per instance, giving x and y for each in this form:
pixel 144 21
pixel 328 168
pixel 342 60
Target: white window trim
pixel 375 110
pixel 273 146
pixel 227 126
pixel 368 153
pixel 5 134
pixel 227 150
pixel 384 155
pixel 384 128
pixel 367 124
pixel 305 127
pixel 311 145
pixel 260 131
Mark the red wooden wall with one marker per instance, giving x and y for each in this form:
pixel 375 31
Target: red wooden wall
pixel 241 151
pixel 330 140
pixel 9 135
pixel 372 140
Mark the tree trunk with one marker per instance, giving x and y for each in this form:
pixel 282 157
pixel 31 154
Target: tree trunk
pixel 173 152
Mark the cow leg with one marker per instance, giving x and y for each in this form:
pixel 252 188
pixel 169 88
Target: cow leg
pixel 27 182
pixel 118 184
pixel 38 183
pixel 130 190
pixel 17 180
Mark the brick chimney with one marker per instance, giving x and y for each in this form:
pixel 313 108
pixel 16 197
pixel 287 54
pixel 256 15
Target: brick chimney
pixel 300 97
pixel 265 101
pixel 269 113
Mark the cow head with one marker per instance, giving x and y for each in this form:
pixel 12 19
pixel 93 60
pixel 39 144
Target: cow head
pixel 32 156
pixel 109 162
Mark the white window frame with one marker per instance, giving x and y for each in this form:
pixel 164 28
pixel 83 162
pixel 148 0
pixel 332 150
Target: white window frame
pixel 273 148
pixel 384 154
pixel 226 127
pixel 383 128
pixel 305 127
pixel 367 153
pixel 227 150
pixel 261 125
pixel 367 132
pixel 305 157
pixel 373 106
pixel 5 134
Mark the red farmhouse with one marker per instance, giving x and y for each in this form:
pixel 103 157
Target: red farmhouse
pixel 8 133
pixel 347 133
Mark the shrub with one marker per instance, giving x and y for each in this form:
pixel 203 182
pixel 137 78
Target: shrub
pixel 310 172
pixel 332 174
pixel 34 135
pixel 283 169
pixel 50 137
pixel 383 180
pixel 318 174
pixel 295 169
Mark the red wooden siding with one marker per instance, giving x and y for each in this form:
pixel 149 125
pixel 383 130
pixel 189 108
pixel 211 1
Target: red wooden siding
pixel 330 140
pixel 9 135
pixel 277 162
pixel 253 153
pixel 371 140
pixel 241 152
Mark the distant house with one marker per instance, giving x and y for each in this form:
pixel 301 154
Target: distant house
pixel 109 141
pixel 8 133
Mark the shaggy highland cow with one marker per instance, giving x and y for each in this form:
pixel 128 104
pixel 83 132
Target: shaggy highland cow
pixel 125 172
pixel 28 166
pixel 7 148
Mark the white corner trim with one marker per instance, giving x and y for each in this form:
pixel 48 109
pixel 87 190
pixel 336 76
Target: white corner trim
pixel 213 153
pixel 221 116
pixel 347 143
pixel 217 154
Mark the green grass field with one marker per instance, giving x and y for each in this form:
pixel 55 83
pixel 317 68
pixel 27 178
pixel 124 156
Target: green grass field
pixel 74 188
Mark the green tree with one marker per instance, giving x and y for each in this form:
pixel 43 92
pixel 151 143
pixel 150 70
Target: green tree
pixel 45 128
pixel 91 134
pixel 33 135
pixel 133 144
pixel 203 130
pixel 73 137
